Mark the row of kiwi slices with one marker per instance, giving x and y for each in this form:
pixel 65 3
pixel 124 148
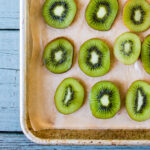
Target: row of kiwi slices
pixel 104 99
pixel 94 54
pixel 100 14
pixel 94 57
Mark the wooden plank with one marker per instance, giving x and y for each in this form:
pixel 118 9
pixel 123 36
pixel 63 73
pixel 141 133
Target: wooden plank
pixel 9 100
pixel 9 81
pixel 9 14
pixel 9 49
pixel 20 142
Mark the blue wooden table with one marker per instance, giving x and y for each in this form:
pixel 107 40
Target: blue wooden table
pixel 11 136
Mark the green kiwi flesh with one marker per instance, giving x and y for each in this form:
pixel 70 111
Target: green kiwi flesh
pixel 136 15
pixel 145 54
pixel 127 48
pixel 94 58
pixel 59 13
pixel 58 56
pixel 69 96
pixel 138 101
pixel 100 14
pixel 104 100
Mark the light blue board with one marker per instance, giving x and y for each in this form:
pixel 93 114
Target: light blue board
pixel 9 14
pixel 9 81
pixel 9 49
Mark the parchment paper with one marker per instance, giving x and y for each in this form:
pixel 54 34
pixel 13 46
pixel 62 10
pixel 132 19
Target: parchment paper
pixel 42 83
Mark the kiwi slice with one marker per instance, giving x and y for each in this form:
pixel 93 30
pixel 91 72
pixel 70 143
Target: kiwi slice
pixel 94 58
pixel 69 96
pixel 145 55
pixel 59 13
pixel 138 101
pixel 100 14
pixel 136 15
pixel 104 100
pixel 127 48
pixel 58 56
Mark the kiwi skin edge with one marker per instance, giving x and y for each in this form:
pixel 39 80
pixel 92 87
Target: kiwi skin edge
pixel 145 54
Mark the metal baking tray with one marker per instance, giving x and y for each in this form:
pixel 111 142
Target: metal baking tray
pixel 61 136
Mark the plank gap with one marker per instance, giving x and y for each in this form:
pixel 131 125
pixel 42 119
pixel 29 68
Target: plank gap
pixel 13 29
pixel 11 132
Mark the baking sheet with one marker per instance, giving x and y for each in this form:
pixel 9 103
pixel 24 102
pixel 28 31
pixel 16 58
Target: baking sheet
pixel 42 83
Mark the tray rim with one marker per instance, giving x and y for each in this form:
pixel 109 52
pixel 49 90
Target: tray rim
pixel 23 99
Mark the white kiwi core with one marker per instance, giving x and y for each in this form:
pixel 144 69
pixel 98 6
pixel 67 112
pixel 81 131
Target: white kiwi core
pixel 58 55
pixel 127 47
pixel 140 100
pixel 101 12
pixel 105 100
pixel 68 96
pixel 138 15
pixel 94 58
pixel 58 10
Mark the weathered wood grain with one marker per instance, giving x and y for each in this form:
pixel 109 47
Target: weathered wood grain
pixel 9 81
pixel 9 14
pixel 9 49
pixel 19 142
